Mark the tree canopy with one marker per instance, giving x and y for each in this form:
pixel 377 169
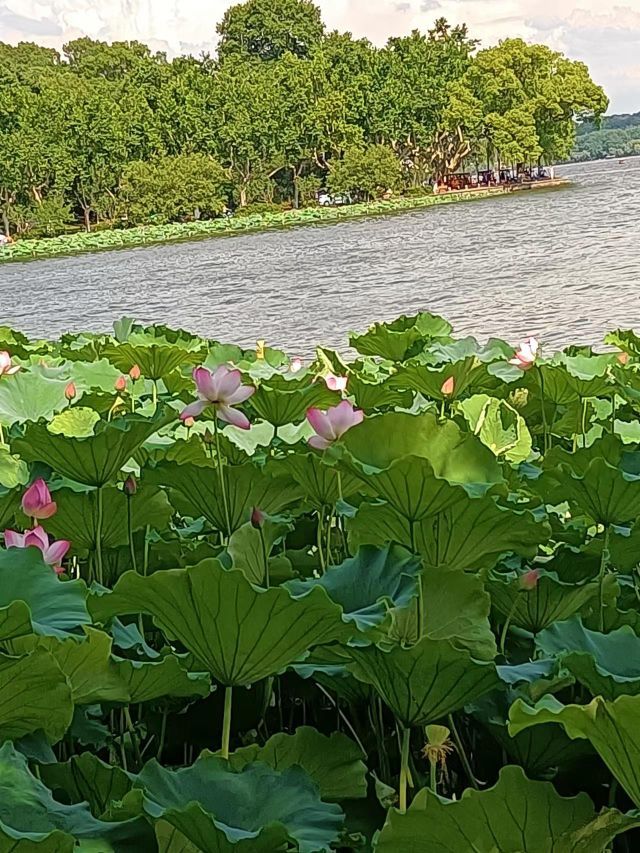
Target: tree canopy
pixel 91 135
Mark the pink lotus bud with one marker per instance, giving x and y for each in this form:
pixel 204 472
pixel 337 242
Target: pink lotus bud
pixel 130 486
pixel 189 422
pixel 525 356
pixel 623 358
pixel 70 391
pixel 120 383
pixel 6 365
pixel 257 518
pixel 135 373
pixel 295 365
pixel 448 387
pixel 36 501
pixel 336 383
pixel 529 580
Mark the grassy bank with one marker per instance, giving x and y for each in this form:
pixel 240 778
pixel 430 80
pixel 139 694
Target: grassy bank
pixel 144 235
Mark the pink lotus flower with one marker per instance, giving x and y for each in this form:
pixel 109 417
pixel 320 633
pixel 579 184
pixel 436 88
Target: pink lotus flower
pixel 295 365
pixel 332 424
pixel 52 552
pixel 336 383
pixel 529 580
pixel 525 357
pixel 121 383
pixel 222 390
pixel 36 501
pixel 6 365
pixel 70 391
pixel 135 373
pixel 448 387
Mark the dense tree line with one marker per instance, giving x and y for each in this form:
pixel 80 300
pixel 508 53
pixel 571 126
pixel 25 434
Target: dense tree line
pixel 114 133
pixel 617 136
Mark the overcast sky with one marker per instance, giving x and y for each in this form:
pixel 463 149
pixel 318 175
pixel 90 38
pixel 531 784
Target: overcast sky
pixel 606 37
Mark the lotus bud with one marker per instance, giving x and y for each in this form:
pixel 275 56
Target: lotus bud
pixel 448 387
pixel 36 501
pixel 529 580
pixel 623 358
pixel 295 365
pixel 208 437
pixel 135 373
pixel 130 486
pixel 336 383
pixel 70 391
pixel 257 518
pixel 120 383
pixel 189 422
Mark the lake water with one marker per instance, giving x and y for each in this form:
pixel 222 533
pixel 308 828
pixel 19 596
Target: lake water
pixel 562 264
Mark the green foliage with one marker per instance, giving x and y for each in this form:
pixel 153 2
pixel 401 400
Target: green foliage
pixel 424 637
pixel 368 172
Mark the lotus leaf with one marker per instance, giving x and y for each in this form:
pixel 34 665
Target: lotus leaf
pixel 258 636
pixel 85 778
pixel 282 401
pixel 513 816
pixel 29 397
pixel 425 682
pixel 367 585
pixel 398 340
pixel 34 695
pixel 499 426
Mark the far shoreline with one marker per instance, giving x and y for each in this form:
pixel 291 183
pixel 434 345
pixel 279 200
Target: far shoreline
pixel 152 235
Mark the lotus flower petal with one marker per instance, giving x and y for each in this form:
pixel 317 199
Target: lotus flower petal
pixel 13 539
pixel 205 383
pixel 319 443
pixel 36 501
pixel 36 538
pixel 228 383
pixel 343 417
pixel 243 393
pixel 194 409
pixel 321 424
pixel 55 553
pixel 234 417
pixel 336 383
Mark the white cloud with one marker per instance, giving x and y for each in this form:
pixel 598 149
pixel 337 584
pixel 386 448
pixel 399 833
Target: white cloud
pixel 606 38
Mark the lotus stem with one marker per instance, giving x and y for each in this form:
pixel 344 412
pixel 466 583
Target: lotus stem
pixel 226 722
pixel 433 775
pixel 265 557
pixel 323 565
pixel 163 734
pixel 145 557
pixel 604 562
pixel 585 404
pixel 404 768
pixel 132 550
pixel 462 753
pixel 154 392
pixel 343 717
pixel 339 476
pixel 507 622
pixel 544 414
pixel 223 485
pixel 99 519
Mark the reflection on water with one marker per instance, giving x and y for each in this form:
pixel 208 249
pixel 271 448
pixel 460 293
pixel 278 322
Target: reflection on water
pixel 564 264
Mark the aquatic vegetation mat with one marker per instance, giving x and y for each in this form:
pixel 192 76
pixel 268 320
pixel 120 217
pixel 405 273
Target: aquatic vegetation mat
pixel 250 604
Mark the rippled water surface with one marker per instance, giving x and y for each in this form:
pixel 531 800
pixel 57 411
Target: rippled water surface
pixel 564 264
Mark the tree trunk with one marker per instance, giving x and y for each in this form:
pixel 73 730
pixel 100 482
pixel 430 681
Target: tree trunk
pixel 5 222
pixel 243 196
pixel 87 219
pixel 296 188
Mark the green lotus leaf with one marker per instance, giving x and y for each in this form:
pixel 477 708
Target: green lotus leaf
pixel 334 763
pixel 425 682
pixel 466 374
pixel 249 547
pixel 513 816
pixel 320 483
pixel 196 491
pixel 367 585
pixel 537 749
pixel 371 396
pixel 54 607
pixel 256 810
pixel 599 481
pixel 76 518
pixel 282 401
pixel 15 621
pixel 552 599
pixel 612 728
pixel 624 339
pixel 34 695
pixel 95 675
pixel 155 357
pixel 258 636
pixel 35 821
pixel 74 422
pixel 498 426
pixel 29 396
pixel 397 340
pixel 417 464
pixel 607 664
pixel 94 460
pixel 98 375
pixel 13 472
pixel 471 533
pixel 87 779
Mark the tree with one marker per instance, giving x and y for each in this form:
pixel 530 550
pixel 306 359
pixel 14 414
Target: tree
pixel 369 172
pixel 188 186
pixel 267 29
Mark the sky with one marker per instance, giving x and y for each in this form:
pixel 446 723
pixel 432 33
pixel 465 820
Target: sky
pixel 605 36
